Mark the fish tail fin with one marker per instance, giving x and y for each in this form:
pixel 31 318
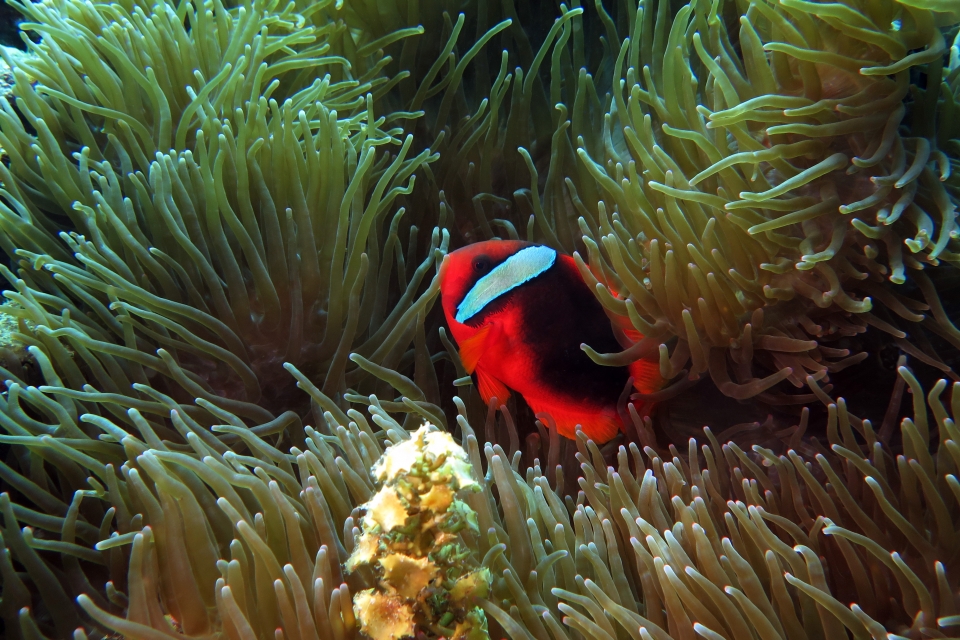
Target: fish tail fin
pixel 623 324
pixel 645 371
pixel 632 334
pixel 646 375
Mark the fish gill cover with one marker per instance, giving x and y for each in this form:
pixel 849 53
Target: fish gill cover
pixel 225 221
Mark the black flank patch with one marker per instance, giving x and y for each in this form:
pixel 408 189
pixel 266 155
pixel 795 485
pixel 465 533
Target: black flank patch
pixel 561 313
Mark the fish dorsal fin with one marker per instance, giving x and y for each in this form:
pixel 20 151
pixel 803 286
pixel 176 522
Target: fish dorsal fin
pixel 491 387
pixel 472 348
pixel 521 267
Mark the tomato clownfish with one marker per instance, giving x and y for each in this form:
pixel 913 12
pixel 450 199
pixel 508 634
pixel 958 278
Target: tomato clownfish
pixel 519 313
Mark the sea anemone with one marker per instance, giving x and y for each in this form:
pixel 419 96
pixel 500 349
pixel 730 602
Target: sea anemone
pixel 755 194
pixel 221 221
pixel 718 542
pixel 413 538
pixel 190 210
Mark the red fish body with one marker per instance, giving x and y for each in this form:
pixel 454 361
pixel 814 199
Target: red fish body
pixel 519 313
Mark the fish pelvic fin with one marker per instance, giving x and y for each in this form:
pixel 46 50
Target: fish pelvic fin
pixel 472 348
pixel 490 387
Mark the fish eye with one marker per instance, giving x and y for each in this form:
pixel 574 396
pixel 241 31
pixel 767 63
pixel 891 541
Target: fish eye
pixel 481 264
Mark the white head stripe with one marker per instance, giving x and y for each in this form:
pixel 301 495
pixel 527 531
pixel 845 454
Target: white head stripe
pixel 522 266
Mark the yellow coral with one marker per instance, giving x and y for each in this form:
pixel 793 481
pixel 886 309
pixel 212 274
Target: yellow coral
pixel 424 562
pixel 383 617
pixel 396 460
pixel 386 510
pixel 409 575
pixel 435 448
pixel 364 552
pixel 438 498
pixel 472 585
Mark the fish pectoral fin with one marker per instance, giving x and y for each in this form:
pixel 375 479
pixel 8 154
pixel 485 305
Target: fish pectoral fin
pixel 490 387
pixel 472 348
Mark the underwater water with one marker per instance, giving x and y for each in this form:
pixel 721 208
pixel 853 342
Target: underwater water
pixel 342 319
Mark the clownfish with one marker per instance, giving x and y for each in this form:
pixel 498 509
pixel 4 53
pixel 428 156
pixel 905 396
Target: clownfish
pixel 519 313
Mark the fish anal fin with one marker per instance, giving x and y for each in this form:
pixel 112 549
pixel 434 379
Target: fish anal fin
pixel 490 387
pixel 600 426
pixel 472 348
